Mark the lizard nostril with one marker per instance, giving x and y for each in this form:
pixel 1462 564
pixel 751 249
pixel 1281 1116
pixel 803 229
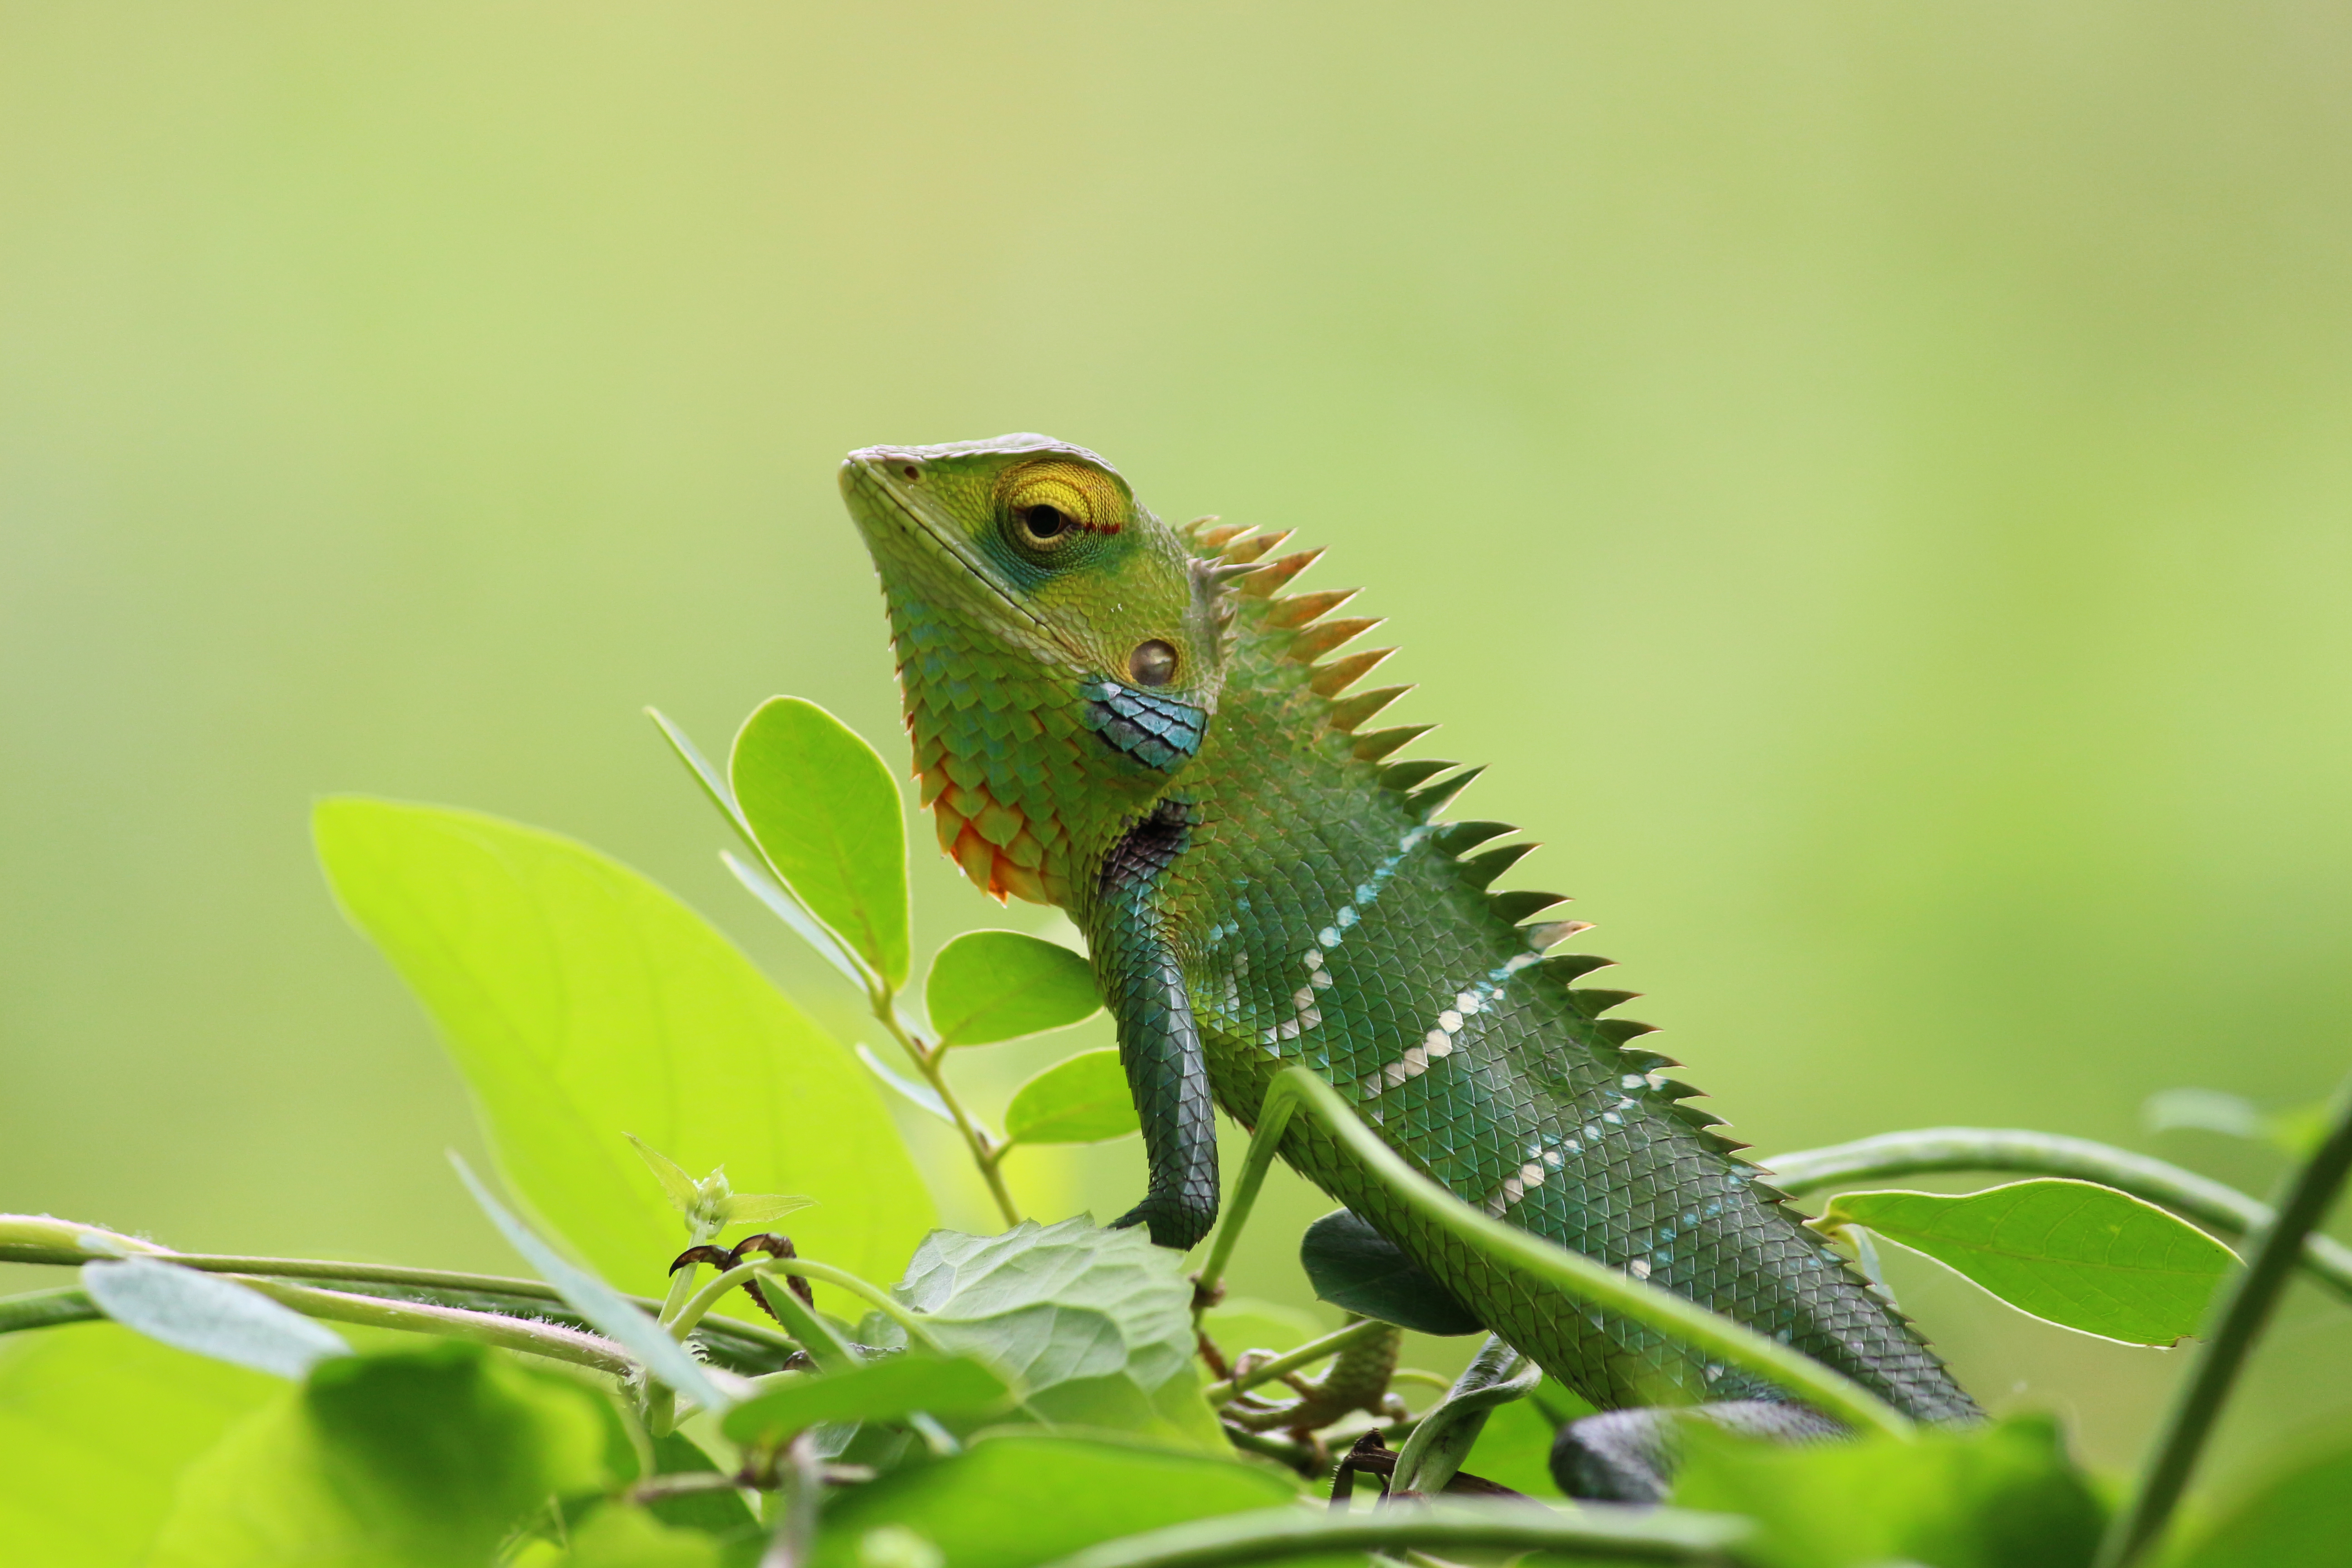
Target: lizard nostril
pixel 913 470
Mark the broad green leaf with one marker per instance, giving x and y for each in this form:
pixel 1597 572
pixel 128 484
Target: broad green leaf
pixel 96 1425
pixel 418 1459
pixel 2297 1517
pixel 1082 1100
pixel 886 1390
pixel 780 902
pixel 2084 1256
pixel 821 803
pixel 210 1316
pixel 1513 1449
pixel 1996 1497
pixel 991 985
pixel 1017 1500
pixel 1352 1266
pixel 1095 1325
pixel 581 1001
pixel 612 1314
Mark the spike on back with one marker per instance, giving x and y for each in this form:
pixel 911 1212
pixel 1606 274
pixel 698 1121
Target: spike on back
pixel 1371 748
pixel 1244 549
pixel 1330 679
pixel 1212 536
pixel 1317 640
pixel 1278 572
pixel 1302 609
pixel 1349 713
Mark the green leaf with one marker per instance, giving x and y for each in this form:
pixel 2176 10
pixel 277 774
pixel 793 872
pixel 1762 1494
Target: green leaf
pixel 762 885
pixel 1354 1266
pixel 886 1390
pixel 631 1538
pixel 581 1000
pixel 991 985
pixel 418 1459
pixel 210 1316
pixel 759 1208
pixel 682 1190
pixel 97 1423
pixel 723 1513
pixel 1513 1449
pixel 1016 1500
pixel 2298 1517
pixel 1095 1325
pixel 2084 1256
pixel 1996 1497
pixel 821 803
pixel 1082 1100
pixel 612 1314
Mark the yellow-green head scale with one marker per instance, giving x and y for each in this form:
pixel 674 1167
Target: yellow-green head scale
pixel 1037 607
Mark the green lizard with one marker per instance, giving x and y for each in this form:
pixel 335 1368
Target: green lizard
pixel 1136 723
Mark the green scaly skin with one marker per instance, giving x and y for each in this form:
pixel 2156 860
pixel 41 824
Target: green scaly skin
pixel 1135 724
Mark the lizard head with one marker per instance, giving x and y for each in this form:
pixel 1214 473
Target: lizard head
pixel 1059 650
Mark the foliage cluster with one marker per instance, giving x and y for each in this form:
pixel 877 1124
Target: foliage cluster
pixel 679 1383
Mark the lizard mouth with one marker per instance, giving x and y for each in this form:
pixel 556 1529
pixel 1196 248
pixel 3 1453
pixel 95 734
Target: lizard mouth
pixel 877 485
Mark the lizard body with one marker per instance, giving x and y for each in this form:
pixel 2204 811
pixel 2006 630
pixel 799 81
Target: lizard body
pixel 1136 723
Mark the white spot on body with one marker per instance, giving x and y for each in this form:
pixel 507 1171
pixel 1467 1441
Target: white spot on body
pixel 1639 1268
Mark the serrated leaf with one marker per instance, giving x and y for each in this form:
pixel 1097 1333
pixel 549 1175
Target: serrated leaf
pixel 210 1316
pixel 759 1208
pixel 1017 1500
pixel 611 1313
pixel 681 1189
pixel 580 999
pixel 97 1424
pixel 1094 1325
pixel 2073 1253
pixel 822 806
pixel 886 1390
pixel 991 985
pixel 1083 1099
pixel 417 1459
pixel 1354 1266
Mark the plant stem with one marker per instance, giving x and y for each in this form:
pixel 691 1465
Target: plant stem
pixel 1936 1149
pixel 1267 1535
pixel 1497 1375
pixel 930 1060
pixel 1308 1354
pixel 572 1345
pixel 701 1303
pixel 2238 1322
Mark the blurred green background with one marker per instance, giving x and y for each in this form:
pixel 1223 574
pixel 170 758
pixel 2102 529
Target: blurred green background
pixel 1872 480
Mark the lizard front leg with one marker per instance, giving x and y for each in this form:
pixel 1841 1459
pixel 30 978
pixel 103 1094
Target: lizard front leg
pixel 1143 987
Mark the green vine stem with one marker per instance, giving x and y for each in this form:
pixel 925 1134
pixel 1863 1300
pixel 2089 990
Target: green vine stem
pixel 2238 1321
pixel 1272 1535
pixel 40 1240
pixel 806 1268
pixel 573 1345
pixel 1232 1388
pixel 1299 1089
pixel 986 1149
pixel 1940 1149
pixel 1443 1438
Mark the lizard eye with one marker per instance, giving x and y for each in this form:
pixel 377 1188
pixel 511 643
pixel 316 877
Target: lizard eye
pixel 1152 664
pixel 1043 522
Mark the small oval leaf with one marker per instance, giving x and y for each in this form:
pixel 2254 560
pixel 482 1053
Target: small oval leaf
pixel 991 985
pixel 878 1391
pixel 1351 1265
pixel 2072 1253
pixel 213 1317
pixel 1082 1100
pixel 821 803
